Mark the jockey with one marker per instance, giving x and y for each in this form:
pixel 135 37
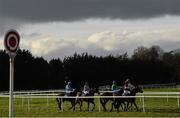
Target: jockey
pixel 128 87
pixel 86 89
pixel 114 87
pixel 68 89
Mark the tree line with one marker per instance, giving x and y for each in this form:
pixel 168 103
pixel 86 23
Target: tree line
pixel 145 66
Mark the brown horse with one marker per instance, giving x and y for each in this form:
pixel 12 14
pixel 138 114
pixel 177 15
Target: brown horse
pixel 132 101
pixel 117 102
pixel 72 100
pixel 128 101
pixel 105 100
pixel 88 100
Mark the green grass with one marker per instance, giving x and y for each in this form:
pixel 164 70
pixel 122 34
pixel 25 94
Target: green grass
pixel 154 107
pixel 163 89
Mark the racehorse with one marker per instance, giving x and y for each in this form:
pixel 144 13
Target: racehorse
pixel 88 100
pixel 72 100
pixel 105 100
pixel 131 100
pixel 117 102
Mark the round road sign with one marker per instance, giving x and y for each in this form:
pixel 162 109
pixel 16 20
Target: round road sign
pixel 11 41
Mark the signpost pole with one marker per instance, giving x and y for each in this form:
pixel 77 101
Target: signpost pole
pixel 11 43
pixel 11 86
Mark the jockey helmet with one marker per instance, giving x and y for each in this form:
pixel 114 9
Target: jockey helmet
pixel 86 83
pixel 114 82
pixel 128 80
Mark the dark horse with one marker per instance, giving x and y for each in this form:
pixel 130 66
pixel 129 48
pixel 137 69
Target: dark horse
pixel 72 100
pixel 88 100
pixel 117 102
pixel 104 100
pixel 131 101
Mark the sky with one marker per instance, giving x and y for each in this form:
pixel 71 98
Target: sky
pixel 59 28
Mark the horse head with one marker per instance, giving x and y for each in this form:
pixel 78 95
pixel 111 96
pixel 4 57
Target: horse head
pixel 137 89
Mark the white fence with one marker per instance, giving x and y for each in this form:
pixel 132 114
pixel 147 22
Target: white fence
pixel 44 95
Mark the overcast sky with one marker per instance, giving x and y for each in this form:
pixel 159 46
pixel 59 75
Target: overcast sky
pixel 59 28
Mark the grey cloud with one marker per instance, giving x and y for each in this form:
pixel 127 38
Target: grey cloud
pixel 70 10
pixel 103 43
pixel 6 24
pixel 13 13
pixel 72 49
pixel 30 35
pixel 94 50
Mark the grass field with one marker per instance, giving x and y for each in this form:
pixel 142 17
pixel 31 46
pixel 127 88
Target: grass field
pixel 154 107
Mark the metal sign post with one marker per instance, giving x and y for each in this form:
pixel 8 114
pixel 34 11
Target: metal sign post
pixel 11 85
pixel 11 43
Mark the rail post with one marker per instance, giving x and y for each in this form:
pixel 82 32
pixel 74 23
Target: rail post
pixel 22 100
pixel 28 102
pixel 143 104
pixel 167 98
pixel 47 103
pixel 177 99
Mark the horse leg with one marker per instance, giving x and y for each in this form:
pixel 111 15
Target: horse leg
pixel 132 101
pixel 131 106
pixel 93 106
pixel 121 105
pixel 125 108
pixel 80 103
pixel 88 106
pixel 103 103
pixel 59 102
pixel 136 106
pixel 117 105
pixel 72 105
pixel 112 106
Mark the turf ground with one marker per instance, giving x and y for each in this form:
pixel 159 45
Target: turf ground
pixel 39 107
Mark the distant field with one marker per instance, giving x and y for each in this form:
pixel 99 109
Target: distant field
pixel 154 107
pixel 163 89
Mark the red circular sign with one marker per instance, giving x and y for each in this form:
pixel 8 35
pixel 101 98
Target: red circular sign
pixel 11 41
